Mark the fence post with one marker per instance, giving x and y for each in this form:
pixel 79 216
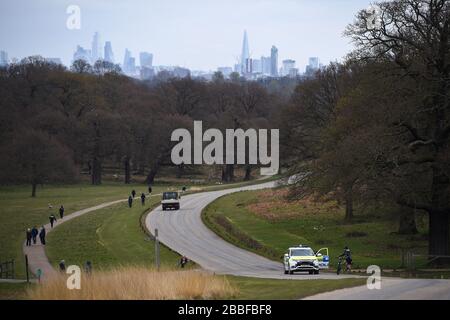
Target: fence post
pixel 26 268
pixel 157 250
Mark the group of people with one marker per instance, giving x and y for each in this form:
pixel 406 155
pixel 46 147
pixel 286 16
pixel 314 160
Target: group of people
pixel 133 195
pixel 33 233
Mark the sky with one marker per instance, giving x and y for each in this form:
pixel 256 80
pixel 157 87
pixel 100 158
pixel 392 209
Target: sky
pixel 197 34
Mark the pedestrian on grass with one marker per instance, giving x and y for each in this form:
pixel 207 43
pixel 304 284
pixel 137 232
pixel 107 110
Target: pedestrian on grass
pixel 149 189
pixel 42 235
pixel 88 267
pixel 29 236
pixel 130 201
pixel 133 193
pixel 34 234
pixel 183 261
pixel 61 212
pixel 62 266
pixel 52 219
pixel 143 198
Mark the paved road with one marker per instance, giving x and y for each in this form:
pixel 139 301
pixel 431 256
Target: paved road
pixel 393 289
pixel 184 232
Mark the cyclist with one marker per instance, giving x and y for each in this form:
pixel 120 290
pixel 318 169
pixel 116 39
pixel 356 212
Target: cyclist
pixel 348 258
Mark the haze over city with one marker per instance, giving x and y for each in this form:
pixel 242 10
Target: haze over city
pixel 199 35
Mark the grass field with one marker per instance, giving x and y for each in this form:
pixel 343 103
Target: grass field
pixel 271 289
pixel 264 222
pixel 18 211
pixel 109 237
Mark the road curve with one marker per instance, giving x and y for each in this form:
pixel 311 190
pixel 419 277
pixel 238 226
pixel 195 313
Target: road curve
pixel 184 232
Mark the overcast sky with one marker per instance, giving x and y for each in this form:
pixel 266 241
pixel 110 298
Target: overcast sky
pixel 198 34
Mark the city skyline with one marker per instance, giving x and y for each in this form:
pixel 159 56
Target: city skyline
pixel 193 35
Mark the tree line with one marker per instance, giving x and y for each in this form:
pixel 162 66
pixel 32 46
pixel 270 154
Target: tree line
pixel 56 122
pixel 376 128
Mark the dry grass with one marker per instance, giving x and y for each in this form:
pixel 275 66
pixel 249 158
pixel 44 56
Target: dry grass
pixel 273 206
pixel 134 283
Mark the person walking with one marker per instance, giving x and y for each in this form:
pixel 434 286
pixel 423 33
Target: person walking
pixel 61 211
pixel 133 193
pixel 62 266
pixel 52 219
pixel 34 234
pixel 183 261
pixel 130 201
pixel 88 267
pixel 149 189
pixel 143 198
pixel 29 236
pixel 42 234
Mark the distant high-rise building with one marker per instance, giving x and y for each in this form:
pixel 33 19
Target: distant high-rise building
pixel 146 59
pixel 274 61
pixel 3 58
pixel 129 63
pixel 265 65
pixel 248 67
pixel 245 55
pixel 82 54
pixel 180 72
pixel 314 63
pixel 96 49
pixel 293 73
pixel 288 65
pixel 109 55
pixel 313 66
pixel 147 73
pixel 256 66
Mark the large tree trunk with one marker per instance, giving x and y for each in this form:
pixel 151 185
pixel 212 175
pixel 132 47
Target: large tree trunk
pixel 248 173
pixel 407 221
pixel 228 173
pixel 96 171
pixel 439 217
pixel 127 170
pixel 33 189
pixel 349 206
pixel 152 174
pixel 439 233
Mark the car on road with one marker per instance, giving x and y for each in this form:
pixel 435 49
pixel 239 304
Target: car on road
pixel 304 259
pixel 170 200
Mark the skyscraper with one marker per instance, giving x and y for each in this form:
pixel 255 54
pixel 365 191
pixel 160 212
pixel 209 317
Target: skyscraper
pixel 314 63
pixel 3 58
pixel 146 59
pixel 288 65
pixel 313 66
pixel 96 50
pixel 82 54
pixel 245 55
pixel 129 63
pixel 266 65
pixel 109 55
pixel 274 61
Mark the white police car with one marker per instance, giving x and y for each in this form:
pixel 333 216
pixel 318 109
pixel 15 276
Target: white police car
pixel 304 259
